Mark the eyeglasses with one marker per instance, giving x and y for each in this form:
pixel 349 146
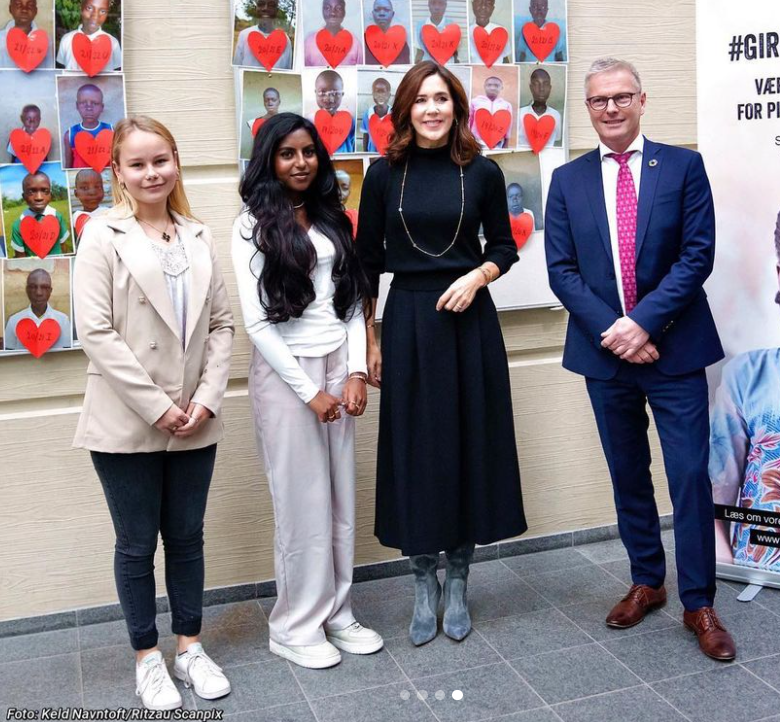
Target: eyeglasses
pixel 600 102
pixel 330 94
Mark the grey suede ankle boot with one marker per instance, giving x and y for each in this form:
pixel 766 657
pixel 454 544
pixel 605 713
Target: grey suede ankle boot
pixel 427 593
pixel 457 621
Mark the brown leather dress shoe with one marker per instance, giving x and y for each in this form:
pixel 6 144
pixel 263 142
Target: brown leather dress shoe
pixel 635 605
pixel 714 640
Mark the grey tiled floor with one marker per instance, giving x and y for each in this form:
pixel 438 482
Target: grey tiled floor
pixel 539 652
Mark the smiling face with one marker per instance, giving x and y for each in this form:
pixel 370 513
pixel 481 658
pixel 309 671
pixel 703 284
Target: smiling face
pixel 493 87
pixel 36 191
pixel 541 86
pixel 333 12
pixel 437 8
pixel 433 112
pixel 329 90
pixel 89 103
pixel 538 10
pixel 295 162
pixel 147 167
pixel 380 91
pixel 31 119
pixel 617 127
pixel 483 10
pixel 271 101
pixel 89 189
pixel 267 9
pixel 93 14
pixel 383 13
pixel 23 12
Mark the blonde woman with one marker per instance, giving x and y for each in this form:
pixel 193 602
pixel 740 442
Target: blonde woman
pixel 155 321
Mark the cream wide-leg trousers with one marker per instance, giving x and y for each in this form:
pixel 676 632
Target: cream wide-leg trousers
pixel 311 475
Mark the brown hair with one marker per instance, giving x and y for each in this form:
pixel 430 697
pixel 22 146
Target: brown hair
pixel 124 203
pixel 463 145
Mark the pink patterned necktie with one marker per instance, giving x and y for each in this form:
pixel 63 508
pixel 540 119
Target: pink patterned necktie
pixel 626 223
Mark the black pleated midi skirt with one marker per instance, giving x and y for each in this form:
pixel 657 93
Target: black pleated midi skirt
pixel 447 469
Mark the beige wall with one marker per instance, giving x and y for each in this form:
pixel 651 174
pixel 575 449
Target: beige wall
pixel 55 533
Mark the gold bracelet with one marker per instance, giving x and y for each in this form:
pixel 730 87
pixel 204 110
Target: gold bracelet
pixel 358 375
pixel 371 325
pixel 484 271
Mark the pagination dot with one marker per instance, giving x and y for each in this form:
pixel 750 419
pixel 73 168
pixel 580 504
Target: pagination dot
pixel 457 695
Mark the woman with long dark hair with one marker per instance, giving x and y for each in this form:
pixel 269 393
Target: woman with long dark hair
pixel 447 471
pixel 301 291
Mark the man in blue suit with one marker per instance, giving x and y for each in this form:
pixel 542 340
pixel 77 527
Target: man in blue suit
pixel 630 240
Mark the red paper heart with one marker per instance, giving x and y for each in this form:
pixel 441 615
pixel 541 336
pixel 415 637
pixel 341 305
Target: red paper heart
pixel 96 151
pixel 492 127
pixel 333 129
pixel 31 149
pixel 37 339
pixel 334 48
pixel 40 236
pixel 267 49
pixel 256 125
pixel 81 221
pixel 441 46
pixel 380 130
pixel 522 228
pixel 386 46
pixel 91 55
pixel 27 51
pixel 490 45
pixel 353 216
pixel 538 130
pixel 541 40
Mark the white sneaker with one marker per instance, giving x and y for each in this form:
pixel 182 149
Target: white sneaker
pixel 197 670
pixel 355 639
pixel 154 685
pixel 311 656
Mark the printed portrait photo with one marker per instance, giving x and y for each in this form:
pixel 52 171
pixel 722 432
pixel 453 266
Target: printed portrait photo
pixel 376 90
pixel 349 176
pixel 330 102
pixel 493 106
pixel 29 104
pixel 36 20
pixel 36 213
pixel 388 34
pixel 90 106
pixel 543 102
pixel 490 32
pixel 89 35
pixel 37 291
pixel 90 196
pixel 264 33
pixel 333 33
pixel 440 31
pixel 540 31
pixel 523 186
pixel 263 95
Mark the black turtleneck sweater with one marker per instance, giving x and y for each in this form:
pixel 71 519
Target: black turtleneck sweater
pixel 431 207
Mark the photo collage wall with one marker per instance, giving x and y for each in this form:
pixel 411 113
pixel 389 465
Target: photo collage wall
pixel 339 63
pixel 63 90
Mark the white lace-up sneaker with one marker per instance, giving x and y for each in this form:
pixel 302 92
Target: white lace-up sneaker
pixel 355 639
pixel 154 685
pixel 311 656
pixel 197 670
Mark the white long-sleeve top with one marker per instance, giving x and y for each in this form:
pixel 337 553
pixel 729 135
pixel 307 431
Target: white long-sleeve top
pixel 318 332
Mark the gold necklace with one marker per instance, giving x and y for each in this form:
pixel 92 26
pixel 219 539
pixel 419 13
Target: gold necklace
pixel 164 234
pixel 460 220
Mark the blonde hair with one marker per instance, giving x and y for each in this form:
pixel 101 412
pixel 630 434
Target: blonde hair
pixel 124 203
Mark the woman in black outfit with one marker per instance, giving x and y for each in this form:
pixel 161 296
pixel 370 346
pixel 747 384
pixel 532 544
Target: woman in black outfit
pixel 447 471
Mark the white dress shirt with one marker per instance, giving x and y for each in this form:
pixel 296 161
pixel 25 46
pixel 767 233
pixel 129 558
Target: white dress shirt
pixel 318 332
pixel 609 178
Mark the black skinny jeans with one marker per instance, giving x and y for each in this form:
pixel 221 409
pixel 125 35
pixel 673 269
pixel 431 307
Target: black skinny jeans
pixel 162 492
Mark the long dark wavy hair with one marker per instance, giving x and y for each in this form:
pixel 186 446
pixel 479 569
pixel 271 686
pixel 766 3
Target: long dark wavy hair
pixel 463 144
pixel 285 285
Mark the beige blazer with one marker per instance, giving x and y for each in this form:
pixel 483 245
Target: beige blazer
pixel 138 363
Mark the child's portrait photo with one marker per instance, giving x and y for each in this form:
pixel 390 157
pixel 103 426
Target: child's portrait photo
pixel 349 177
pixel 29 104
pixel 493 106
pixel 330 102
pixel 263 95
pixel 490 32
pixel 542 107
pixel 89 35
pixel 37 291
pixel 523 186
pixel 441 31
pixel 388 32
pixel 89 106
pixel 36 213
pixel 376 90
pixel 540 31
pixel 264 33
pixel 90 196
pixel 35 20
pixel 333 33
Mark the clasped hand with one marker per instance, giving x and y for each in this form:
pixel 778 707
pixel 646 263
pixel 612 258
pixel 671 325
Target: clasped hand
pixel 628 340
pixel 354 399
pixel 182 424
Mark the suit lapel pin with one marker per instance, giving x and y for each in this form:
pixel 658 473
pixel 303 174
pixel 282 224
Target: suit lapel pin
pixel 653 163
